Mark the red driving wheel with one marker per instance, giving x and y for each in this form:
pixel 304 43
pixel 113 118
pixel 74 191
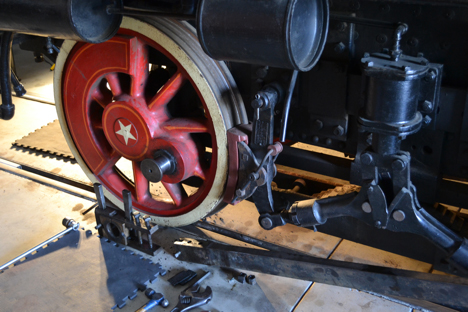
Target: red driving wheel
pixel 131 99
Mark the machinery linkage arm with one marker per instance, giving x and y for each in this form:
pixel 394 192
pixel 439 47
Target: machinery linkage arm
pixel 387 199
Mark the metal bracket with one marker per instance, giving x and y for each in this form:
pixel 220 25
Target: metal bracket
pixel 125 228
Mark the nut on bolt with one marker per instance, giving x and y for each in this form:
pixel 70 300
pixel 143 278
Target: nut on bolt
pixel 338 131
pixel 367 159
pixel 427 120
pixel 318 124
pixel 427 106
pixel 339 47
pixel 240 192
pixel 266 223
pixel 398 165
pixel 258 101
pixel 399 215
pixel 431 75
pixel 366 207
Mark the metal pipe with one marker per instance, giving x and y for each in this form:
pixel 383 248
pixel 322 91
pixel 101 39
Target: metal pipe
pixel 287 105
pixel 71 225
pixel 149 13
pixel 7 109
pixel 71 19
pixel 246 238
pixel 362 21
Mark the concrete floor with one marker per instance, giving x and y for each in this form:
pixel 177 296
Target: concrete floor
pixel 34 212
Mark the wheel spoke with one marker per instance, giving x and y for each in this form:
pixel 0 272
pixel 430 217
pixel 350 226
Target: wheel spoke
pixel 186 125
pixel 167 92
pixel 199 172
pixel 139 66
pixel 176 191
pixel 101 98
pixel 98 125
pixel 141 184
pixel 108 164
pixel 114 84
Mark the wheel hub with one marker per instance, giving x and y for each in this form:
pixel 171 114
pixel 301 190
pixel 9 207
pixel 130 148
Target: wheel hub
pixel 126 130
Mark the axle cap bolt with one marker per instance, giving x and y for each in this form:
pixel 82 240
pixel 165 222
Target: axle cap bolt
pixel 399 215
pixel 378 224
pixel 398 165
pixel 367 159
pixel 366 207
pixel 154 169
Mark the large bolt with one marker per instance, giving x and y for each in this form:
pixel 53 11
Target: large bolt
pixel 338 131
pixel 398 165
pixel 318 124
pixel 340 47
pixel 399 215
pixel 427 120
pixel 258 101
pixel 240 192
pixel 427 107
pixel 366 207
pixel 367 159
pixel 266 223
pixel 431 75
pixel 155 169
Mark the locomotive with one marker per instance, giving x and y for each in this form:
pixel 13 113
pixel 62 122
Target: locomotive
pixel 206 98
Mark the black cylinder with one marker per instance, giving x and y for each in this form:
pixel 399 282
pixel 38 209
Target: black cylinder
pixel 82 20
pixel 393 91
pixel 391 101
pixel 279 33
pixel 7 109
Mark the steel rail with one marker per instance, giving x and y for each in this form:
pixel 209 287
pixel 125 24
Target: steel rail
pixel 386 281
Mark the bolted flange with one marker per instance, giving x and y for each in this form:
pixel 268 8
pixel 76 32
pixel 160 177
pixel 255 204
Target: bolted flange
pixel 162 164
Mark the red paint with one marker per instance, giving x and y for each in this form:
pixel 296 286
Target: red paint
pixel 237 134
pixel 100 120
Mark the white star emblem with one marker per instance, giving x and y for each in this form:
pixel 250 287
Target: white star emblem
pixel 125 132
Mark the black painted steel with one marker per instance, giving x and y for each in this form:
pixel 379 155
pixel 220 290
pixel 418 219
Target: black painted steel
pixel 284 33
pixel 7 109
pixel 83 20
pixel 445 290
pixel 245 238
